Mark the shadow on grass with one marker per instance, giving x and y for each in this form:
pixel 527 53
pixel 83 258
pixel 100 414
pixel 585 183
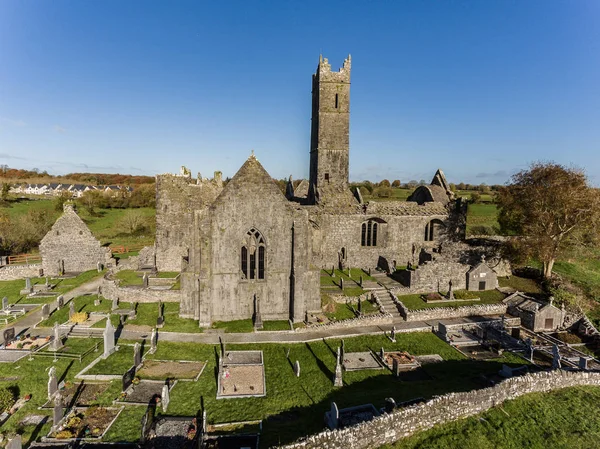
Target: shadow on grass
pixel 66 371
pixel 320 363
pixel 432 380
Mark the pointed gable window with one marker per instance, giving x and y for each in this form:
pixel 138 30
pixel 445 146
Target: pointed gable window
pixel 252 256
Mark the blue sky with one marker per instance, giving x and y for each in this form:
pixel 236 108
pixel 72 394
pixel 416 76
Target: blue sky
pixel 478 88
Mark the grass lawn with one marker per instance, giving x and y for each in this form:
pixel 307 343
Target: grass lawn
pixel 129 277
pixel 521 284
pixel 234 326
pixel 116 363
pixel 567 418
pixel 276 325
pixel 415 302
pixel 82 304
pixel 482 216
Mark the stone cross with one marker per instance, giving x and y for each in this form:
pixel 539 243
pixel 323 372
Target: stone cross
pixel 137 355
pixel 153 340
pixel 28 284
pixel 109 338
pixel 4 303
pixel 57 414
pixel 297 368
pixel 52 383
pixel 450 295
pixel 45 311
pixel 60 302
pixel 556 357
pixel 14 443
pixel 145 280
pixel 71 309
pixel 258 324
pixel 338 381
pixel 165 397
pixel 393 334
pixel 57 342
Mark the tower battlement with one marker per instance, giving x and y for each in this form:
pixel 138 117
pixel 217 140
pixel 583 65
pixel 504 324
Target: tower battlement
pixel 325 75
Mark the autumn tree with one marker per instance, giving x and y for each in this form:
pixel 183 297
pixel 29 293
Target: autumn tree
pixel 396 183
pixel 550 208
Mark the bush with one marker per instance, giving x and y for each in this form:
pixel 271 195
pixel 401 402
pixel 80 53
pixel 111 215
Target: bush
pixel 396 183
pixel 78 318
pixel 7 399
pixel 383 192
pixel 475 197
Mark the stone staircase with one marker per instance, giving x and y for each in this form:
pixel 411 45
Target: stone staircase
pixel 385 299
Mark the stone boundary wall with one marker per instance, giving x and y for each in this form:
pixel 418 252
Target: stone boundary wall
pixel 14 272
pixel 439 313
pixel 388 428
pixel 586 327
pixel 365 320
pixel 111 290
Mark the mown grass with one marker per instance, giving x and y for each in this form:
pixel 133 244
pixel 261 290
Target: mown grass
pixel 129 277
pixel 567 418
pixel 276 325
pixel 521 284
pixel 416 302
pixel 482 218
pixel 234 326
pixel 82 304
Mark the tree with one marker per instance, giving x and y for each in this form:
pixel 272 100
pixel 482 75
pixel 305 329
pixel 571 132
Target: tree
pixel 396 183
pixel 475 197
pixel 5 191
pixel 133 221
pixel 384 183
pixel 551 208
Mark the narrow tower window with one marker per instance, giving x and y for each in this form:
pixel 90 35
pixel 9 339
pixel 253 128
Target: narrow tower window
pixel 336 101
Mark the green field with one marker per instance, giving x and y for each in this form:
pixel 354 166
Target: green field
pixel 568 418
pixel 482 218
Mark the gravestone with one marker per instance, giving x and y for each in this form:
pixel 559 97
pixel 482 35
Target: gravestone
pixel 115 304
pixel 57 340
pixel 99 291
pixel 52 383
pixel 109 338
pixel 127 379
pixel 9 336
pixel 28 284
pixel 61 267
pixel 342 284
pixel 556 364
pixel 395 367
pixel 97 302
pixel 5 303
pixel 342 351
pixel 258 324
pixel 45 311
pixel 160 321
pixel 390 405
pixel 360 281
pixel 60 302
pixel 583 363
pixel 14 443
pixel 369 271
pixel 297 368
pixel 450 295
pixel 47 282
pixel 99 267
pixel 529 349
pixel 338 381
pixel 334 415
pixel 71 309
pixel 165 399
pixel 382 353
pixel 333 271
pixel 359 306
pixel 145 280
pixel 306 317
pixel 57 414
pixel 393 334
pixel 137 354
pixel 222 347
pixel 153 341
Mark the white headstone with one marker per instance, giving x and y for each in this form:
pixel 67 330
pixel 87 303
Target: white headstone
pixel 137 354
pixel 4 303
pixel 297 368
pixel 71 309
pixel 165 398
pixel 57 414
pixel 153 341
pixel 52 383
pixel 28 284
pixel 109 338
pixel 45 311
pixel 57 341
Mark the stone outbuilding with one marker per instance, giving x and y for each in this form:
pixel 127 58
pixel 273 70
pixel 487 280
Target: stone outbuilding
pixel 536 315
pixel 481 277
pixel 70 247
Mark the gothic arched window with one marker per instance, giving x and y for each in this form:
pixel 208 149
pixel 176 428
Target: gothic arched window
pixel 368 235
pixel 433 229
pixel 252 255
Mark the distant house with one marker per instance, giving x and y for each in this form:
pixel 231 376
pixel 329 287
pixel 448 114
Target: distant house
pixel 77 190
pixel 536 315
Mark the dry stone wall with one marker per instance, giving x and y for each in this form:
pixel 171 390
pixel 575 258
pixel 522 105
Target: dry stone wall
pixel 112 290
pixel 14 272
pixel 439 313
pixel 388 428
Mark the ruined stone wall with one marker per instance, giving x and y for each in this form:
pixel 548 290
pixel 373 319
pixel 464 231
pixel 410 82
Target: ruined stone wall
pixel 399 238
pixel 435 274
pixel 111 290
pixel 14 272
pixel 71 241
pixel 389 428
pixel 440 313
pixel 177 197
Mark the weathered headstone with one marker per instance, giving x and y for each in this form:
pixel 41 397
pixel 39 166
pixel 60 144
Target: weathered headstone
pixel 334 415
pixel 57 414
pixel 145 281
pixel 99 291
pixel 28 284
pixel 9 336
pixel 393 334
pixel 14 443
pixel 45 311
pixel 529 349
pixel 359 306
pixel 99 267
pixel 115 304
pixel 556 364
pixel 165 399
pixel 360 281
pixel 47 283
pixel 395 367
pixel 450 295
pixel 338 380
pixel 127 378
pixel 333 271
pixel 297 368
pixel 5 303
pixel 52 383
pixel 57 340
pixel 369 271
pixel 258 324
pixel 71 309
pixel 382 353
pixel 153 341
pixel 583 363
pixel 60 302
pixel 109 338
pixel 137 354
pixel 306 317
pixel 342 350
pixel 160 321
pixel 342 284
pixel 97 302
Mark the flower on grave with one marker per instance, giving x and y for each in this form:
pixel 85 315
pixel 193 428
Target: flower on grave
pixel 27 397
pixel 136 380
